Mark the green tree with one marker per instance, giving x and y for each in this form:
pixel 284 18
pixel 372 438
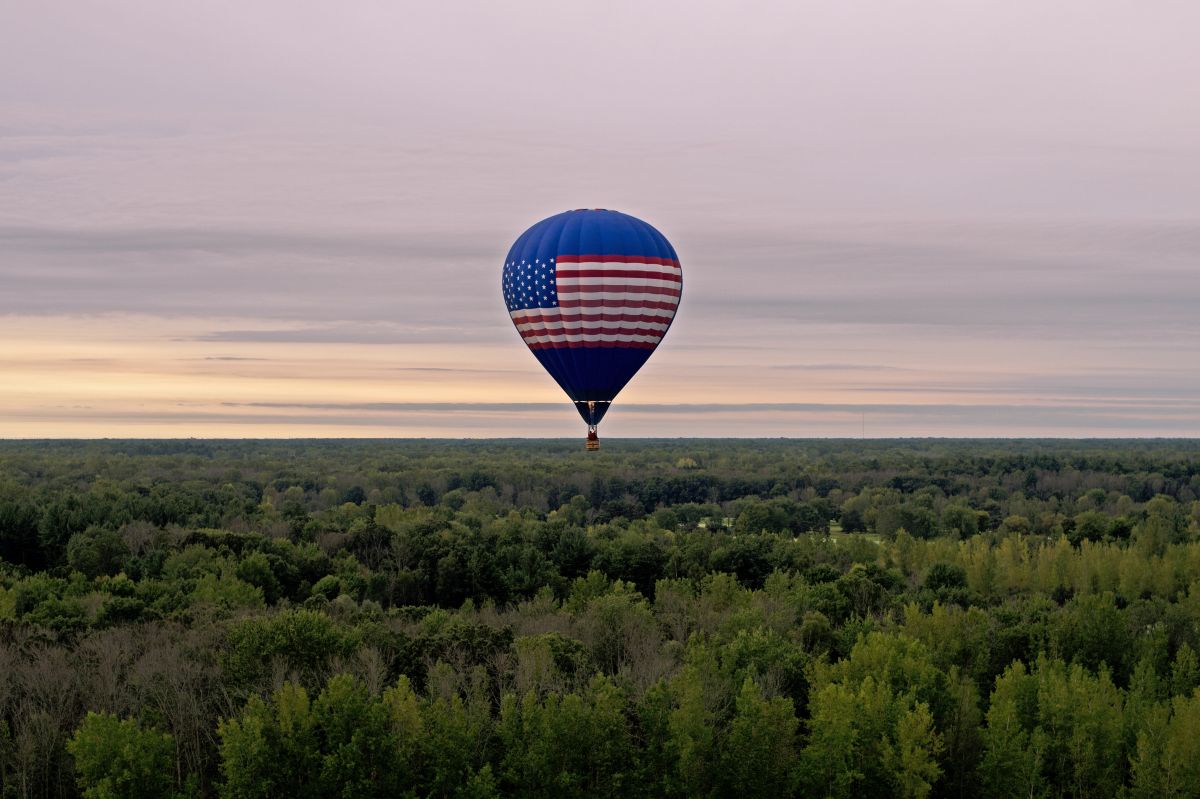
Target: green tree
pixel 759 755
pixel 96 551
pixel 830 759
pixel 19 528
pixel 298 639
pixel 1165 523
pixel 255 569
pixel 569 746
pixel 1079 731
pixel 913 757
pixel 1090 526
pixel 1185 671
pixel 226 592
pixel 455 734
pixel 1013 750
pixel 358 748
pixel 272 749
pixel 340 745
pixel 1167 760
pixel 117 759
pixel 691 728
pixel 960 520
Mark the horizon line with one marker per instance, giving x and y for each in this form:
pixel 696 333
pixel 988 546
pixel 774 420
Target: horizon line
pixel 33 439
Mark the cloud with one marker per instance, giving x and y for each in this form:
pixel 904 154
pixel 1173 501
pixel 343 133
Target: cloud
pixel 366 332
pixel 412 245
pixel 455 370
pixel 232 358
pixel 835 367
pixel 982 410
pixel 989 280
pixel 417 407
pixel 539 420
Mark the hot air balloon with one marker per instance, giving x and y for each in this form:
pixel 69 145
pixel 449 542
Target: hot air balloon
pixel 592 293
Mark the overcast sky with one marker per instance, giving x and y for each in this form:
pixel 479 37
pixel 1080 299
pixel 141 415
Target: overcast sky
pixel 894 218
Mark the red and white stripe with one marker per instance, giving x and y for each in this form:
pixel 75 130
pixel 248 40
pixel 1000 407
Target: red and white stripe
pixel 605 301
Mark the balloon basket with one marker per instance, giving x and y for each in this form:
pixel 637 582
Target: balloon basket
pixel 593 440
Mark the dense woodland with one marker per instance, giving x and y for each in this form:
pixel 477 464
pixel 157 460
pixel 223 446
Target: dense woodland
pixel 659 619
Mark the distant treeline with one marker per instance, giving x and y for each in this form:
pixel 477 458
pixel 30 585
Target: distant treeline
pixel 665 618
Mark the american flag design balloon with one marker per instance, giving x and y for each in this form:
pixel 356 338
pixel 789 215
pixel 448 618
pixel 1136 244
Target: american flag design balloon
pixel 592 293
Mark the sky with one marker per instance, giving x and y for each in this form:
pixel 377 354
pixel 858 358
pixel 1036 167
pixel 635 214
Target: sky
pixel 895 218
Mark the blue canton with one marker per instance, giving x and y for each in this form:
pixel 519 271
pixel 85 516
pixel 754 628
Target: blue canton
pixel 530 284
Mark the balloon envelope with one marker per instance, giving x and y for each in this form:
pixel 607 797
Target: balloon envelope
pixel 592 293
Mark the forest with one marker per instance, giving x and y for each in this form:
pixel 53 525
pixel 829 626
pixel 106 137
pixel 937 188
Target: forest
pixel 675 618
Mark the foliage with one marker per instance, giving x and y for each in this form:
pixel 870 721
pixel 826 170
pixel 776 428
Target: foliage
pixel 117 759
pixel 669 619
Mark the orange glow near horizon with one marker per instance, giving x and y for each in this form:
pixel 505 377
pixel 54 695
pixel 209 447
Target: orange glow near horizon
pixel 117 376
